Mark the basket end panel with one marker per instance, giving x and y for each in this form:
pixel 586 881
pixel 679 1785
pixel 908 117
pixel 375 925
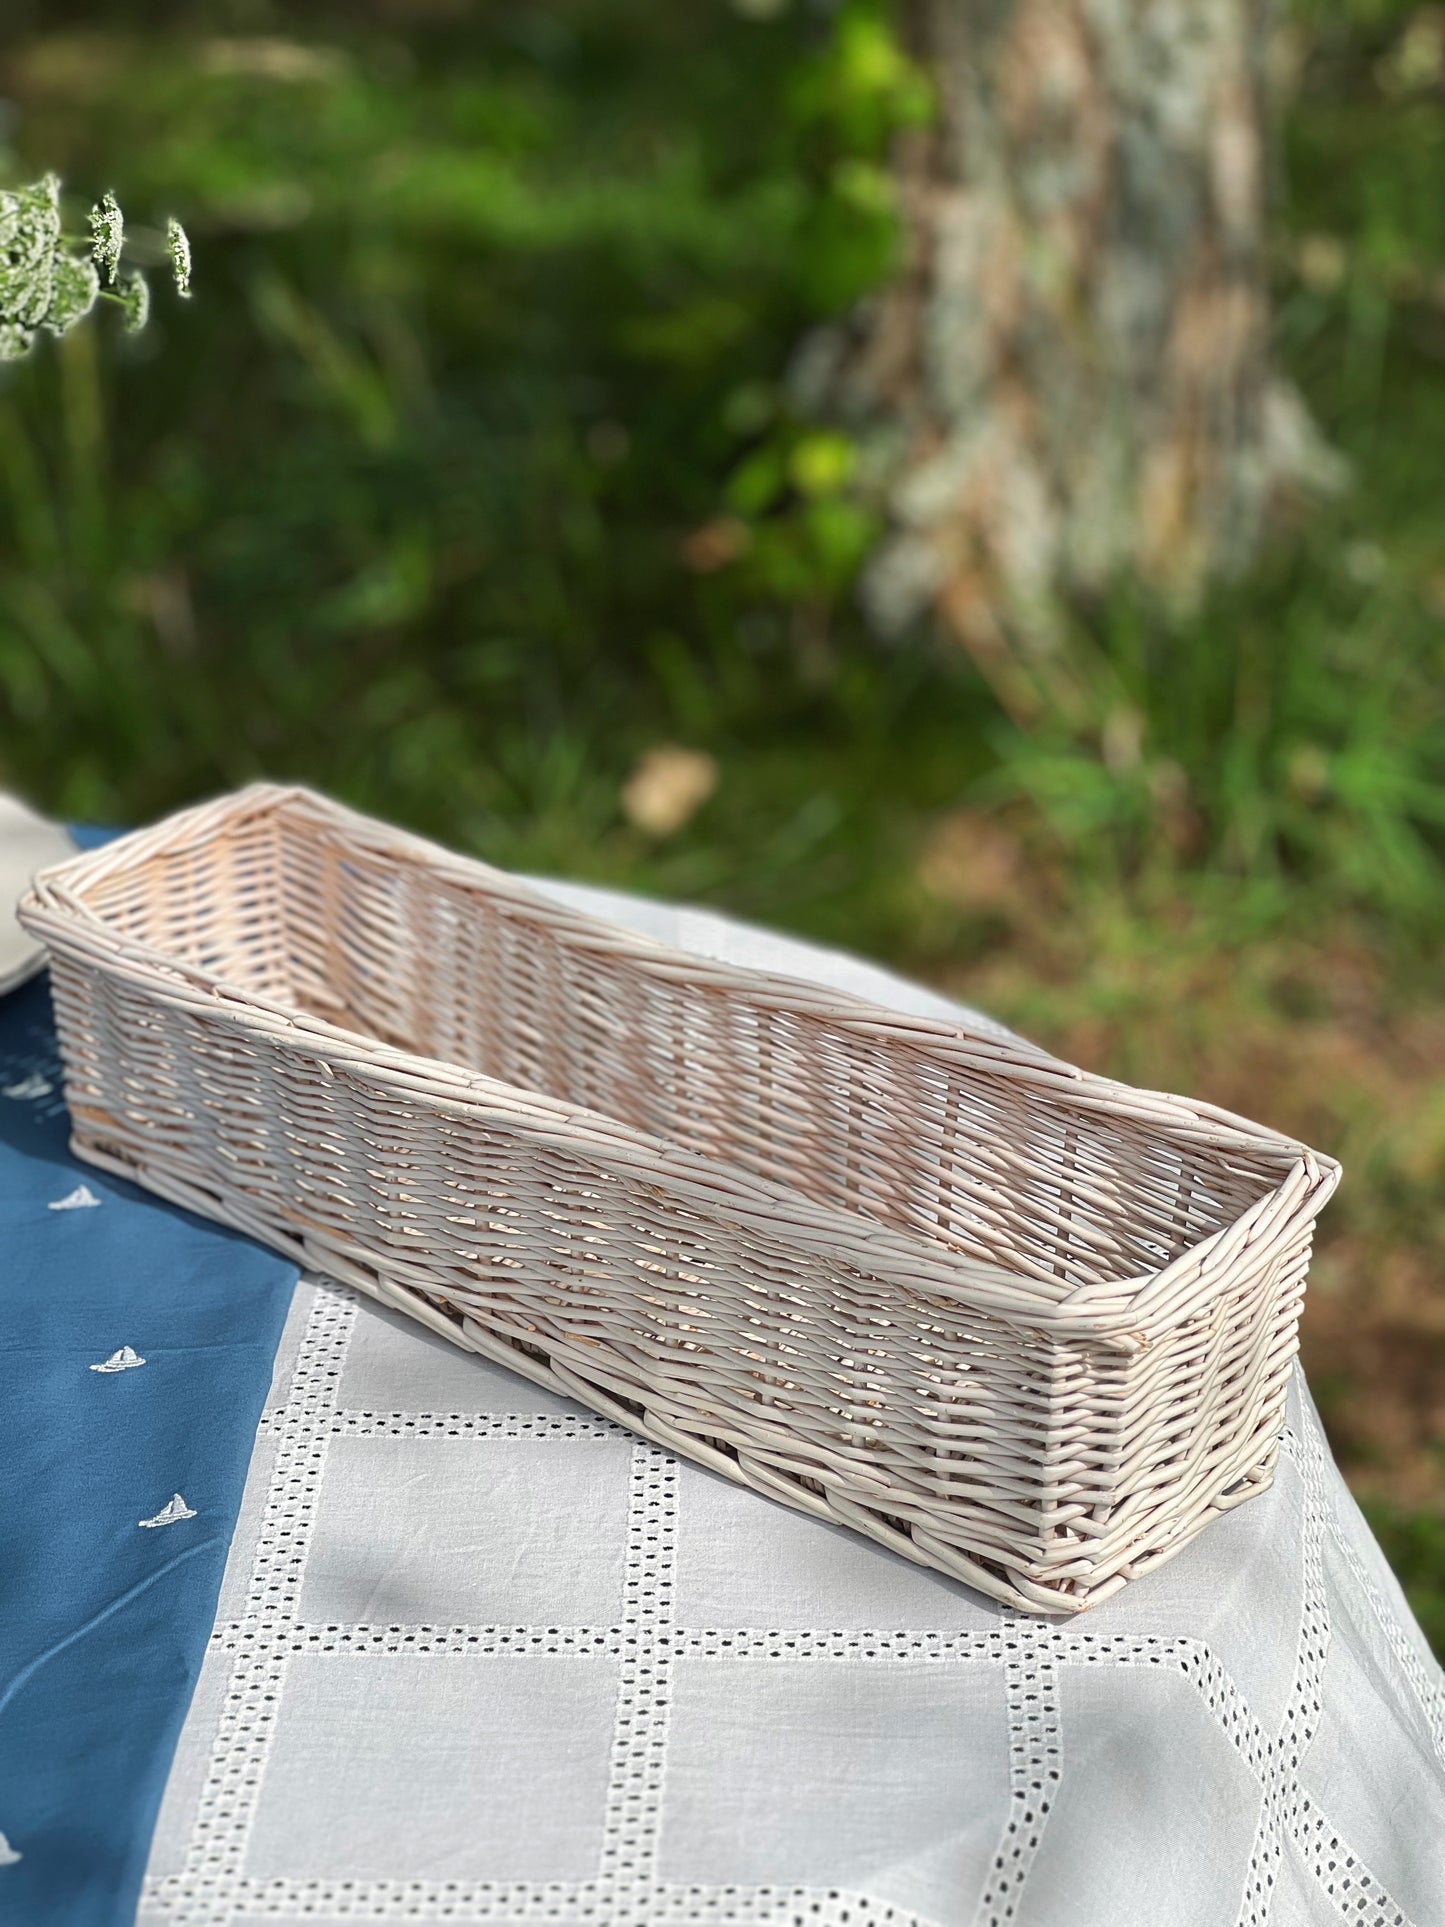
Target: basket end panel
pixel 198 893
pixel 1201 1408
pixel 1142 1449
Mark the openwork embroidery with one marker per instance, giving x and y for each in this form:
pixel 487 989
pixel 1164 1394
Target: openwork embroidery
pixel 1035 1766
pixel 209 1890
pixel 628 1877
pixel 213 1889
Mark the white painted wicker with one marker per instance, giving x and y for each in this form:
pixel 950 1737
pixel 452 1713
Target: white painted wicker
pixel 1020 1324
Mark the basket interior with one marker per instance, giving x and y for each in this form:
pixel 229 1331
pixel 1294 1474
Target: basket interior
pixel 289 904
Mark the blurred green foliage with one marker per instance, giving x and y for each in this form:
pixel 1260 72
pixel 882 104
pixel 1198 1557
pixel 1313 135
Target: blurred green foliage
pixel 493 316
pixel 471 472
pixel 1414 1544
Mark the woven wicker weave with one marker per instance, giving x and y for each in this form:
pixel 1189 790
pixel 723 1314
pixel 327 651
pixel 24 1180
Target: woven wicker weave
pixel 1022 1325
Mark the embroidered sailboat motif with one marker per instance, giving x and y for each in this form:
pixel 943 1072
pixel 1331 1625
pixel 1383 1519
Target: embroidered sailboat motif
pixel 80 1199
pixel 8 1855
pixel 171 1514
pixel 125 1360
pixel 30 1087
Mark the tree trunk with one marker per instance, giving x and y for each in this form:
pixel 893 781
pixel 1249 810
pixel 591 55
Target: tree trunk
pixel 1070 380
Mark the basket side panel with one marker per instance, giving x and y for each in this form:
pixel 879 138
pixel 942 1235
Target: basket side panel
pixel 1052 1471
pixel 1001 1170
pixel 978 1155
pixel 932 1418
pixel 355 956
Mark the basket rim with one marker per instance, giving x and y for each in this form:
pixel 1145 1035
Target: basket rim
pixel 1107 1311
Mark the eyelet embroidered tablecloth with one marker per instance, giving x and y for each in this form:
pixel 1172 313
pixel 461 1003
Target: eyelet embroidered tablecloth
pixel 481 1656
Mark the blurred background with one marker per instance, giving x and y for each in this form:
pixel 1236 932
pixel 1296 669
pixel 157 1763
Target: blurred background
pixel 924 476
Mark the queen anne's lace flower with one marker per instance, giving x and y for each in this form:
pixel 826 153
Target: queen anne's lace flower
pixel 44 283
pixel 15 341
pixel 135 301
pixel 107 235
pixel 179 248
pixel 29 237
pixel 74 286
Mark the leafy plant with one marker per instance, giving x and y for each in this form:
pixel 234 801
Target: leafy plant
pixel 1290 740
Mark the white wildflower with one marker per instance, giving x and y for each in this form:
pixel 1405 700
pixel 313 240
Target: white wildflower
pixel 74 286
pixel 135 300
pixel 107 235
pixel 15 341
pixel 45 283
pixel 179 249
pixel 29 237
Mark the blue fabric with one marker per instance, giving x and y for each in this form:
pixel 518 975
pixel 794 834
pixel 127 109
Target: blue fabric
pixel 103 1622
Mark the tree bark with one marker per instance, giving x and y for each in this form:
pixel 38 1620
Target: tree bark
pixel 1070 380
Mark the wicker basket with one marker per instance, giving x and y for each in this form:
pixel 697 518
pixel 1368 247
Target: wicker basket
pixel 1022 1325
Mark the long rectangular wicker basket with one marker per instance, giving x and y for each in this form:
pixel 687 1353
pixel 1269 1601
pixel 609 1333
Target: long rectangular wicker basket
pixel 1020 1324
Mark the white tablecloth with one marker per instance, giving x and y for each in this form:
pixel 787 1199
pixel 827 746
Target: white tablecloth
pixel 481 1656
